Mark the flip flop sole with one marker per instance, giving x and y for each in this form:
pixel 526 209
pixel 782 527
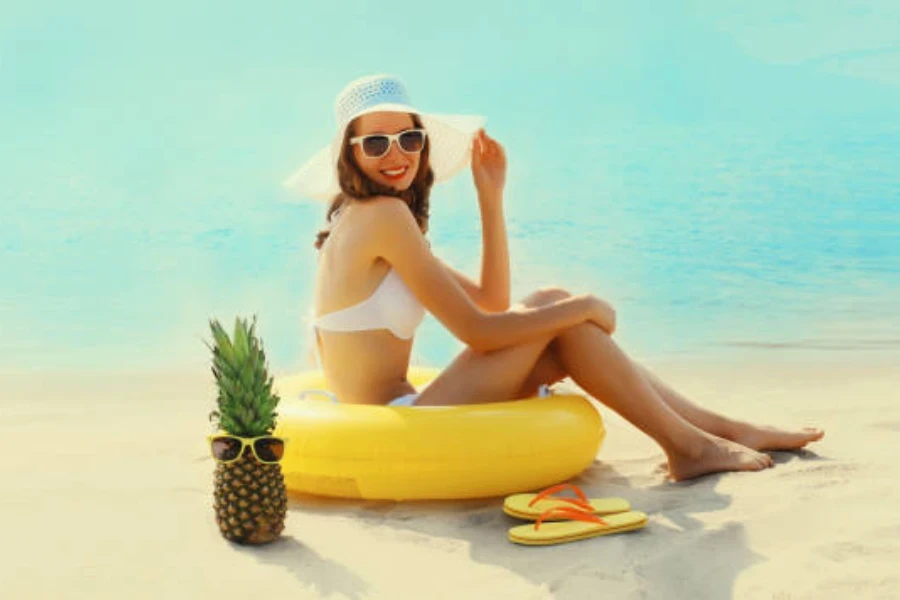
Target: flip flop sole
pixel 573 531
pixel 517 506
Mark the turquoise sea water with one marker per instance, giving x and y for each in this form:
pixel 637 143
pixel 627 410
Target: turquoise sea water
pixel 729 181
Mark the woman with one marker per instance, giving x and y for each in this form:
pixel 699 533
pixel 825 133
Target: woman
pixel 377 276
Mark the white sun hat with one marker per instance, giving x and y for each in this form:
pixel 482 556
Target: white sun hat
pixel 449 136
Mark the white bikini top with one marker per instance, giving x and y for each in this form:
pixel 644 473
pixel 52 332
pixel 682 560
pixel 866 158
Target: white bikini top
pixel 391 306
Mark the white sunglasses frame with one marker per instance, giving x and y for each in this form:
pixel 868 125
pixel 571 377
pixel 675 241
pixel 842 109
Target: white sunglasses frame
pixel 392 138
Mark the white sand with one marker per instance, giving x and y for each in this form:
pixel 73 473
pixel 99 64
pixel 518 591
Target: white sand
pixel 107 492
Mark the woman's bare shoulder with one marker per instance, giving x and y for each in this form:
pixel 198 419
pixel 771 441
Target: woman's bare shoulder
pixel 384 206
pixel 384 218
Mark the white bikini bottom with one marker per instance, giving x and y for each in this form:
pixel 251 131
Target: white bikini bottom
pixel 405 400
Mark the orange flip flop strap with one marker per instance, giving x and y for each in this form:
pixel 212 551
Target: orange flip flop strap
pixel 569 513
pixel 581 502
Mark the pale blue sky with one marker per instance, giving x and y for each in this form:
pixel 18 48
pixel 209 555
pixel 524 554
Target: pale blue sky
pixel 149 139
pixel 196 88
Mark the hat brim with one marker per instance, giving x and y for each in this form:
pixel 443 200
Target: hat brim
pixel 450 148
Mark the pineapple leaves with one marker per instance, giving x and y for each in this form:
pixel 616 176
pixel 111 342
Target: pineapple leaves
pixel 246 403
pixel 241 347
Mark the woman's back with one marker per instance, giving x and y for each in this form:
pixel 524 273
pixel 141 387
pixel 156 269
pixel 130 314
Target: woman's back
pixel 364 316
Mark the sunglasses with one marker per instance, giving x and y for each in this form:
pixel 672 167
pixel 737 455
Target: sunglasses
pixel 377 145
pixel 228 448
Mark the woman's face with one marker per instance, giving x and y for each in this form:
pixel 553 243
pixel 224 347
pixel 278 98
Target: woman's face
pixel 396 169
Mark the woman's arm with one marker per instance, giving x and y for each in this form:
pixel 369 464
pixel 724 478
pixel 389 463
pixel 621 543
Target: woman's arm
pixel 472 289
pixel 494 255
pixel 476 293
pixel 392 234
pixel 489 176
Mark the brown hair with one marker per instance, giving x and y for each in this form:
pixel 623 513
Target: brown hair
pixel 354 184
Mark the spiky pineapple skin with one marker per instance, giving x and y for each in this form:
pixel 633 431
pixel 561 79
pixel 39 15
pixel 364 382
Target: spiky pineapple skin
pixel 250 500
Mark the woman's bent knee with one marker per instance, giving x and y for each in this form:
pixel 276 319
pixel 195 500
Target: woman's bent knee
pixel 545 295
pixel 581 329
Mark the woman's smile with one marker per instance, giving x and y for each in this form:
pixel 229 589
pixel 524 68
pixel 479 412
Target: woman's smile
pixel 396 168
pixel 395 174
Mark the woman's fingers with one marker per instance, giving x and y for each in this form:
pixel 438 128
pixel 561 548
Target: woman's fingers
pixel 487 146
pixel 483 143
pixel 496 149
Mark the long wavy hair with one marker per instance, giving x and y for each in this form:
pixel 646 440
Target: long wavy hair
pixel 355 184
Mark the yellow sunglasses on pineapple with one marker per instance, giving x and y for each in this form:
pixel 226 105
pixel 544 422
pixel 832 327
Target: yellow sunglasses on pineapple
pixel 229 448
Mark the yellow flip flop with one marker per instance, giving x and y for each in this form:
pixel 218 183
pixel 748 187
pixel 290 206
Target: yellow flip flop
pixel 584 525
pixel 532 506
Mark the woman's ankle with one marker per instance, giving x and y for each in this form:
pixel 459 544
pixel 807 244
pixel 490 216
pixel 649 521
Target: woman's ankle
pixel 731 429
pixel 691 442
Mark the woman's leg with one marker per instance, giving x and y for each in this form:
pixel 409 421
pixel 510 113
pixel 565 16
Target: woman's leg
pixel 587 354
pixel 597 364
pixel 758 437
pixel 753 436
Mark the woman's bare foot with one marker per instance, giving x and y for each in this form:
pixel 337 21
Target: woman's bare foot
pixel 760 437
pixel 714 455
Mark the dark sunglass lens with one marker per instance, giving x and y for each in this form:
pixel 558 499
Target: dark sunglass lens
pixel 269 449
pixel 375 145
pixel 224 448
pixel 412 141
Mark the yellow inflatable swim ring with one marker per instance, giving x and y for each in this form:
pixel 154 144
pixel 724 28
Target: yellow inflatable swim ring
pixel 431 453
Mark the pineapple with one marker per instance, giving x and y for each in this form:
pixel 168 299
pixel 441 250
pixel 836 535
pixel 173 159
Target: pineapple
pixel 250 497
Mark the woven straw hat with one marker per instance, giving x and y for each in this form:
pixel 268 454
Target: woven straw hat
pixel 450 136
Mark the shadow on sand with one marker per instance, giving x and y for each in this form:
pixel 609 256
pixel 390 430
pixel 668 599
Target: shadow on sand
pixel 325 577
pixel 676 555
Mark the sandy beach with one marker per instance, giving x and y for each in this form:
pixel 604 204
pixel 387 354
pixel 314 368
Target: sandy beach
pixel 108 492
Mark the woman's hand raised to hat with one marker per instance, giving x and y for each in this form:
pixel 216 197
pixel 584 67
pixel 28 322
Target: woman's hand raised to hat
pixel 488 167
